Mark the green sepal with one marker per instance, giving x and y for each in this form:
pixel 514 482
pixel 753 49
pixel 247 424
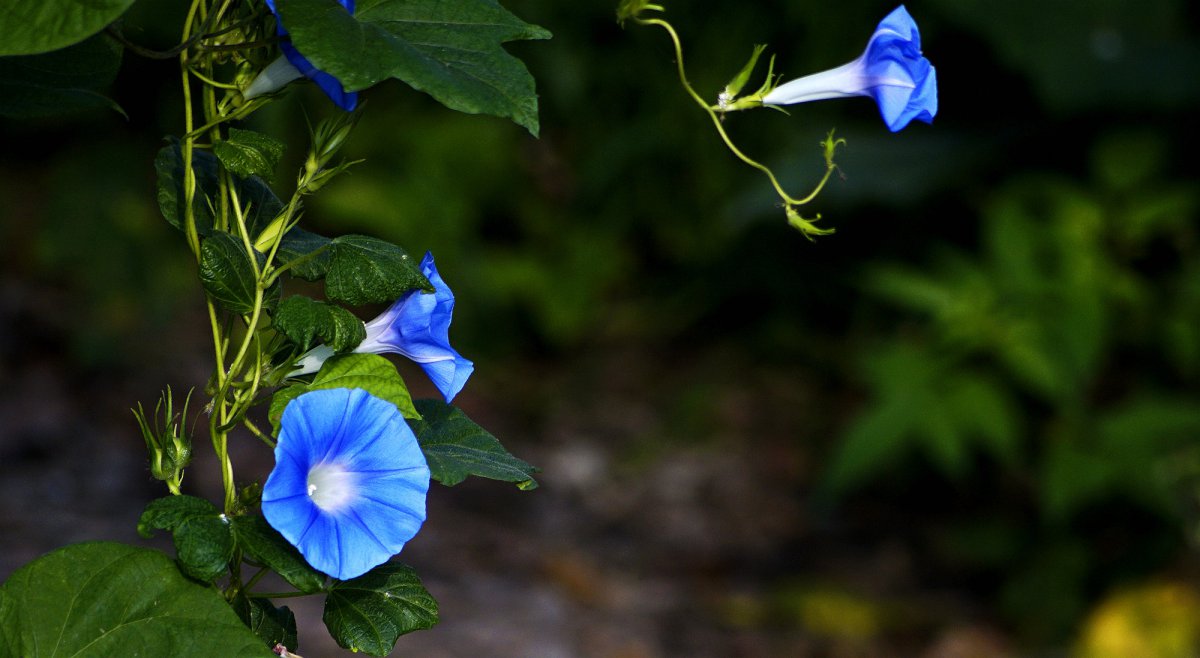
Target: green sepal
pixel 449 50
pixel 303 320
pixel 739 81
pixel 202 535
pixel 45 25
pixel 370 372
pixel 371 612
pixel 258 202
pixel 366 270
pixel 61 81
pixel 274 626
pixel 456 447
pixel 246 153
pixel 109 599
pixel 227 275
pixel 264 545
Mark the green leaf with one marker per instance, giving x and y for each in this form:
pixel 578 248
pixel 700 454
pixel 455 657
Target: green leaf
pixel 372 611
pixel 366 270
pixel 259 203
pixel 449 50
pixel 227 273
pixel 202 535
pixel 265 545
pixel 302 320
pixel 272 625
pixel 298 244
pixel 370 372
pixel 455 447
pixel 247 153
pixel 108 599
pixel 38 27
pixel 59 82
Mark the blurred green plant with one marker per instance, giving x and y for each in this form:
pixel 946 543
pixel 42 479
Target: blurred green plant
pixel 1064 351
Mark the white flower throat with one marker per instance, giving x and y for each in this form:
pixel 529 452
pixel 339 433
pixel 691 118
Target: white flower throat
pixel 331 487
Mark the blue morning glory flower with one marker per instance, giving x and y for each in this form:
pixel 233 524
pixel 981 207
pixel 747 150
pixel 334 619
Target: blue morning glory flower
pixel 891 70
pixel 418 326
pixel 328 84
pixel 349 485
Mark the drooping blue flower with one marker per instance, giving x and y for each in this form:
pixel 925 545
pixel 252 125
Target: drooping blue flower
pixel 892 70
pixel 418 326
pixel 350 480
pixel 301 66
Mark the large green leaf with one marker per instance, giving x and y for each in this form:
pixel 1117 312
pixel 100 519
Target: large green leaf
pixel 108 599
pixel 371 612
pixel 455 447
pixel 256 198
pixel 301 244
pixel 265 545
pixel 366 270
pixel 449 50
pixel 44 25
pixel 59 82
pixel 302 320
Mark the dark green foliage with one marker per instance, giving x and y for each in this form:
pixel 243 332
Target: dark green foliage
pixel 456 447
pixel 229 277
pixel 247 153
pixel 366 270
pixel 257 201
pixel 264 545
pixel 202 535
pixel 305 321
pixel 59 82
pixel 370 372
pixel 371 612
pixel 107 599
pixel 272 625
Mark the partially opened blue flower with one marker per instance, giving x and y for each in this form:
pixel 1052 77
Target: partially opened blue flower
pixel 891 70
pixel 349 485
pixel 292 65
pixel 418 326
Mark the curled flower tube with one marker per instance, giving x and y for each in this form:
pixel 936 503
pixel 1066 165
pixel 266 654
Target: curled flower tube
pixel 417 326
pixel 891 70
pixel 349 485
pixel 292 65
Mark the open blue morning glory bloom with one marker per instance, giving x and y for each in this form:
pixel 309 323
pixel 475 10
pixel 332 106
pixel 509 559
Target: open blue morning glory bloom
pixel 418 326
pixel 349 485
pixel 891 70
pixel 293 65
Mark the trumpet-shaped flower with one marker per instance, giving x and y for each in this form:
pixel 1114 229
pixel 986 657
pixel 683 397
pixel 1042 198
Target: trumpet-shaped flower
pixel 292 65
pixel 350 480
pixel 417 326
pixel 891 70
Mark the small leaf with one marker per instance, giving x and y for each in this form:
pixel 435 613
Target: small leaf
pixel 298 244
pixel 302 320
pixel 274 626
pixel 366 270
pixel 38 27
pixel 108 599
pixel 59 82
pixel 227 273
pixel 455 447
pixel 370 372
pixel 449 50
pixel 371 612
pixel 265 545
pixel 202 537
pixel 247 153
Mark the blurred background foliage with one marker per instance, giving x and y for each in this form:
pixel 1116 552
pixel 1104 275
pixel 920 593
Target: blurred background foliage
pixel 995 360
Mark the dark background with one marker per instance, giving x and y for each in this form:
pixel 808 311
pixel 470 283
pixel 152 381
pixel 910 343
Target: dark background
pixel 964 425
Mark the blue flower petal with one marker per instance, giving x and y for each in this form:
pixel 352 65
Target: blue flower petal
pixel 347 100
pixel 358 447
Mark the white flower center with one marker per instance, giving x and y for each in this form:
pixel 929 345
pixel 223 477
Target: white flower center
pixel 331 487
